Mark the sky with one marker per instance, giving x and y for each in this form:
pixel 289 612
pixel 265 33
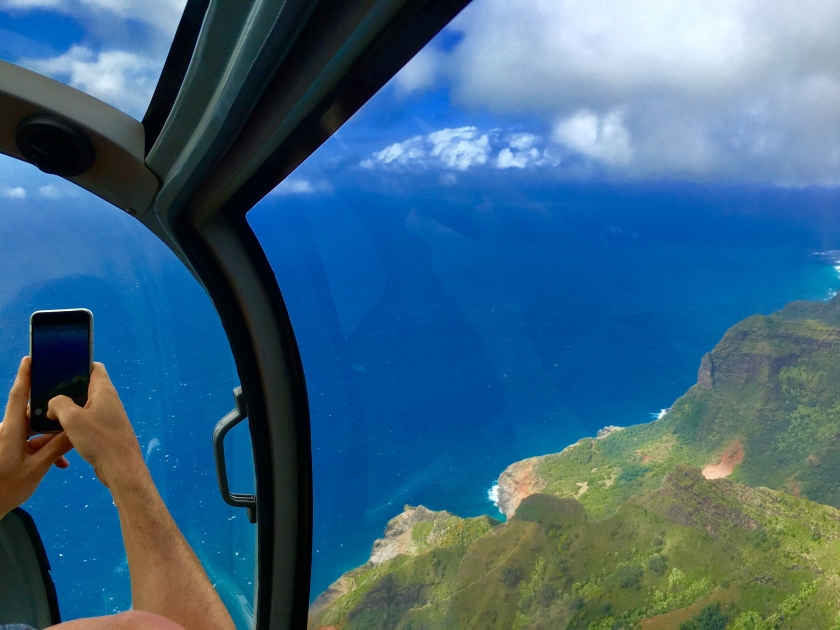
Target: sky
pixel 703 91
pixel 742 91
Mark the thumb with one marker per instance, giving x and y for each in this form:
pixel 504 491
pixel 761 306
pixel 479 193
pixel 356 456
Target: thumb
pixel 62 408
pixel 48 454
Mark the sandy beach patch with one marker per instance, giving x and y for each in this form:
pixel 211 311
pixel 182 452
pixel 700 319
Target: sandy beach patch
pixel 732 456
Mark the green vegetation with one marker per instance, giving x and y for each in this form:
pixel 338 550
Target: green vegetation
pixel 658 564
pixel 710 618
pixel 735 553
pixel 627 532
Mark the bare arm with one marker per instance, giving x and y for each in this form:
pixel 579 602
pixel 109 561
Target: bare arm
pixel 166 577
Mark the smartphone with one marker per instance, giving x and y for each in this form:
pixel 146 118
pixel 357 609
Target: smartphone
pixel 61 354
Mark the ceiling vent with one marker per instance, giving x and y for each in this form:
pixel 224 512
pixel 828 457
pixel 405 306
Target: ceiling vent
pixel 55 146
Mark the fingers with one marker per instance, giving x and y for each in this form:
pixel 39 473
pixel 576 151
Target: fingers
pixel 63 409
pixel 99 377
pixel 54 449
pixel 36 443
pixel 15 418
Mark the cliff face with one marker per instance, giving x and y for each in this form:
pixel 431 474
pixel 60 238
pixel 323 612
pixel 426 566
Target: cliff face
pixel 519 480
pixel 398 539
pixel 651 525
pixel 417 531
pixel 705 375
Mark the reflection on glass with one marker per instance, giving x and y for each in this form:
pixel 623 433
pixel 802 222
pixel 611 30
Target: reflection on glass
pixel 563 293
pixel 111 50
pixel 167 354
pixel 63 354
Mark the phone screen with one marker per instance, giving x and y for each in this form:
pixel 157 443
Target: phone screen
pixel 60 365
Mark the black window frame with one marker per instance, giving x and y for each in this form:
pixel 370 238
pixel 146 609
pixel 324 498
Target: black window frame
pixel 226 256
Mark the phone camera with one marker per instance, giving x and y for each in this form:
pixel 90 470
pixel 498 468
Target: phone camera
pixel 38 411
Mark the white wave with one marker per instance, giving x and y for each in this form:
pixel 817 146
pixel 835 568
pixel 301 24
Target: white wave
pixel 658 415
pixel 493 494
pixel 832 257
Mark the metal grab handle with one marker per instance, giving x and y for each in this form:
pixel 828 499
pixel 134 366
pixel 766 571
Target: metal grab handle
pixel 236 416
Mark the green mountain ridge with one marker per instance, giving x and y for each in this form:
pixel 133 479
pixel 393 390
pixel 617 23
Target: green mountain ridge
pixel 767 389
pixel 637 528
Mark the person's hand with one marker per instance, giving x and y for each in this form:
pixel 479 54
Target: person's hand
pixel 100 431
pixel 23 462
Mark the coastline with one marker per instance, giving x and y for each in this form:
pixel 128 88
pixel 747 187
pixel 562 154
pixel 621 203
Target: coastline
pixel 521 479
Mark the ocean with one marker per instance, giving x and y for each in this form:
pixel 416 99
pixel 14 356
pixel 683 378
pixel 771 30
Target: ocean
pixel 444 335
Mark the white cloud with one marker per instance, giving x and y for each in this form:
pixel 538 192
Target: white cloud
pixel 123 79
pixel 743 90
pixel 50 191
pixel 12 192
pixel 420 73
pixel 125 45
pixel 296 186
pixel 457 149
pixel 604 139
pixel 31 4
pixel 460 148
pixel 163 14
pixel 402 153
pixel 522 152
pixel 58 191
pixel 465 148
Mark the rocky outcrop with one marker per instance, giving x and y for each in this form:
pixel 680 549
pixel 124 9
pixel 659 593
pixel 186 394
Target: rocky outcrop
pixel 341 586
pixel 706 375
pixel 397 539
pixel 519 480
pixel 602 433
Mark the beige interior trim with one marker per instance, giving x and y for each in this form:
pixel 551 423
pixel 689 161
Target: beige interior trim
pixel 119 175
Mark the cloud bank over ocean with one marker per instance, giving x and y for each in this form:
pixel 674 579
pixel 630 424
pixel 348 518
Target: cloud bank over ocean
pixel 735 90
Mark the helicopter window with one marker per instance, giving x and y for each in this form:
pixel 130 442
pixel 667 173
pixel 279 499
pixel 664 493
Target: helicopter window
pixel 111 50
pixel 540 232
pixel 161 340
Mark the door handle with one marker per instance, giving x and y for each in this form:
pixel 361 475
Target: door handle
pixel 236 416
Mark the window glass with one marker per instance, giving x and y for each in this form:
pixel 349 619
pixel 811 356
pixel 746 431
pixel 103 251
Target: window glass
pixel 111 50
pixel 558 219
pixel 162 343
